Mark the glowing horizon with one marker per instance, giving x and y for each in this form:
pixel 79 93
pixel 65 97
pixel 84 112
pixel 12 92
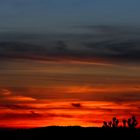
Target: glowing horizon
pixel 68 94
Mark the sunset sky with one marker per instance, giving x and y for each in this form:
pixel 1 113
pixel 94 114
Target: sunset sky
pixel 69 62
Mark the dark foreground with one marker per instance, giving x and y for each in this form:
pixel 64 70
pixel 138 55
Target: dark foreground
pixel 69 133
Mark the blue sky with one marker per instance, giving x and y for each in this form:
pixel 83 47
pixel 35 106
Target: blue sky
pixel 50 14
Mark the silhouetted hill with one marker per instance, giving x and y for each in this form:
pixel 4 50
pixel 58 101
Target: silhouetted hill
pixel 76 132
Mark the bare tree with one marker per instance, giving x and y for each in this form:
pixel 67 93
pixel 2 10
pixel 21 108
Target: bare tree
pixel 105 125
pixel 132 122
pixel 124 123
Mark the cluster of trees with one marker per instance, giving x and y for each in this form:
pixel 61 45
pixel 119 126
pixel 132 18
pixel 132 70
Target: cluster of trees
pixel 131 123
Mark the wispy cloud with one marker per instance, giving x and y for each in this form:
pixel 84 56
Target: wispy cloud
pixel 8 96
pixel 11 116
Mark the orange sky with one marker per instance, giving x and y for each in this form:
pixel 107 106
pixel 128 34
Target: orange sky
pixel 35 93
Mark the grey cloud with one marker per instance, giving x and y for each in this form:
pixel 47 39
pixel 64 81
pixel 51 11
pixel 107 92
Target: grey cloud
pixel 122 45
pixel 113 30
pixel 30 51
pixel 116 50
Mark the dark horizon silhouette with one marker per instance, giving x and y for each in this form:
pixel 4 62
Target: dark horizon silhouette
pixel 69 131
pixel 127 123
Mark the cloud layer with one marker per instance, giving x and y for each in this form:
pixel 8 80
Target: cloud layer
pixel 48 80
pixel 105 44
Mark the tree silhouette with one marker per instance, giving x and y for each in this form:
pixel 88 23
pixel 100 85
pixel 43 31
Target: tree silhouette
pixel 110 124
pixel 129 122
pixel 132 122
pixel 105 125
pixel 115 122
pixel 124 123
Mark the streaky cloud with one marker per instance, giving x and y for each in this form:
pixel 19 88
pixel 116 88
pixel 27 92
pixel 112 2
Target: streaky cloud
pixel 103 44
